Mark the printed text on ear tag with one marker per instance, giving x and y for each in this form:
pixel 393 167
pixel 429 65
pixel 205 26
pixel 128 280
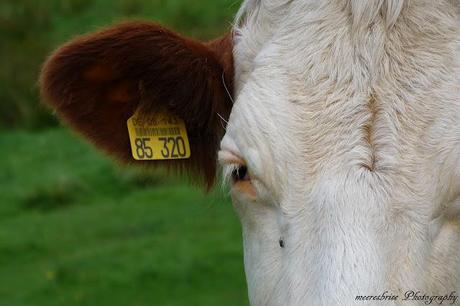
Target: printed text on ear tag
pixel 158 137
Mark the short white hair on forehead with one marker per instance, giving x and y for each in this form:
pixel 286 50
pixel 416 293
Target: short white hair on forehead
pixel 364 12
pixel 248 7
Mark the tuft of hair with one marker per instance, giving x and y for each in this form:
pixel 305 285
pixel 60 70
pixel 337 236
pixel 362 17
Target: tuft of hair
pixel 248 8
pixel 366 12
pixel 363 12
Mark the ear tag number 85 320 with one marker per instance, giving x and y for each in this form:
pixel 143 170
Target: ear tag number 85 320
pixel 158 137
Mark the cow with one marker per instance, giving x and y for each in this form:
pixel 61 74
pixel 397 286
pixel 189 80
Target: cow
pixel 336 124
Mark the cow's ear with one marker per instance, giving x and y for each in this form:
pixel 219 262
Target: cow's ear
pixel 96 83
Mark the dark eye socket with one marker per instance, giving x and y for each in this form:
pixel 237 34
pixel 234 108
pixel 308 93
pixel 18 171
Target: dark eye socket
pixel 240 174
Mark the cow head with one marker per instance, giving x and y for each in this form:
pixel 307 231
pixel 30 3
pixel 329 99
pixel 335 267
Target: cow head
pixel 339 146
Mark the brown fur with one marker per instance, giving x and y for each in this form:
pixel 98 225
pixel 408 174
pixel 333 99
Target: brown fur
pixel 96 82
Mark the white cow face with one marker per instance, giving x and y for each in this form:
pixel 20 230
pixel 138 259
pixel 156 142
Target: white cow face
pixel 262 158
pixel 259 155
pixel 323 154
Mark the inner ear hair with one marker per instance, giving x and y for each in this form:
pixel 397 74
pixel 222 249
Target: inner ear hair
pixel 96 82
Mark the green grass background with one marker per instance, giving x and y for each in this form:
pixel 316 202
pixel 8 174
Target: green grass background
pixel 77 229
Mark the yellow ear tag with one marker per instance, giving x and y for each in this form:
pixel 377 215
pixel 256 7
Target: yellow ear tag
pixel 158 137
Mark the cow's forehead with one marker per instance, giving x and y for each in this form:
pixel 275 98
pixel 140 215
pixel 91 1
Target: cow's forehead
pixel 302 70
pixel 263 124
pixel 267 120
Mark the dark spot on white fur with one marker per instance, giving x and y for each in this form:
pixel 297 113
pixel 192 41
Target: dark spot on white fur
pixel 281 242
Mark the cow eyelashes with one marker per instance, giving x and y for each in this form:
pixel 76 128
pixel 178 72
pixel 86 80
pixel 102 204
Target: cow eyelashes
pixel 235 170
pixel 241 180
pixel 240 174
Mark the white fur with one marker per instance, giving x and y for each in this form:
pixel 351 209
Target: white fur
pixel 347 114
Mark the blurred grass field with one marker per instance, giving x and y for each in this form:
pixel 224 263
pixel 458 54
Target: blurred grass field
pixel 77 229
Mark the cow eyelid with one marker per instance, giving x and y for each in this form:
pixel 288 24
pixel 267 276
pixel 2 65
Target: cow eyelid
pixel 235 169
pixel 240 173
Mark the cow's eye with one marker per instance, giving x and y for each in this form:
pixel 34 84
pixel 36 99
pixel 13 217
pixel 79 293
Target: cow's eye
pixel 240 174
pixel 242 182
pixel 236 171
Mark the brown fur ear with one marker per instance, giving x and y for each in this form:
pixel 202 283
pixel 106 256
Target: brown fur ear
pixel 97 82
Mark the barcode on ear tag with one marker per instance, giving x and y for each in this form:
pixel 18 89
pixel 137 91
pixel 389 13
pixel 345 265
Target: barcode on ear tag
pixel 158 137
